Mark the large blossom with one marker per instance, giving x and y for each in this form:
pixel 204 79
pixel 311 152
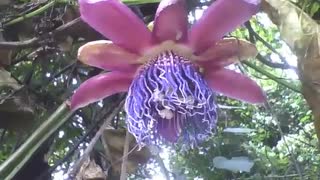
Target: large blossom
pixel 171 74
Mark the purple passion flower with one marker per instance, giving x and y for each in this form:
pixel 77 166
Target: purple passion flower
pixel 171 74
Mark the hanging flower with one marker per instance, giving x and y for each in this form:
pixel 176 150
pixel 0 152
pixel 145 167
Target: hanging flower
pixel 171 74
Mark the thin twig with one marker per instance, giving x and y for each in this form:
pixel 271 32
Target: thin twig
pixel 81 140
pixel 73 172
pixel 293 158
pixel 273 64
pixel 3 132
pixel 63 70
pixel 123 175
pixel 30 15
pixel 36 41
pixel 285 64
pixel 272 76
pixel 71 151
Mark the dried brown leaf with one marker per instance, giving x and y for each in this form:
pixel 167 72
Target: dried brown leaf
pixel 115 140
pixel 90 171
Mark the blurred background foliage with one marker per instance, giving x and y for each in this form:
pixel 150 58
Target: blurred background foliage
pixel 39 40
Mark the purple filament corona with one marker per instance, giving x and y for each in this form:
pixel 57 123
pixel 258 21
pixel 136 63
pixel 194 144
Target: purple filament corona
pixel 170 100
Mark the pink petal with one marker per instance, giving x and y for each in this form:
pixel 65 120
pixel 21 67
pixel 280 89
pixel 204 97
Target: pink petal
pixel 117 22
pixel 235 85
pixel 99 87
pixel 220 18
pixel 226 52
pixel 171 21
pixel 106 55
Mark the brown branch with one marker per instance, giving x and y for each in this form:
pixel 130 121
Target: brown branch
pixel 123 175
pixel 19 44
pixel 258 37
pixel 253 35
pixel 37 41
pixel 274 65
pixel 79 162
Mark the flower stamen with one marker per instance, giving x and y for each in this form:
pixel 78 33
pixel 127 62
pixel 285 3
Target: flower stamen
pixel 169 99
pixel 166 46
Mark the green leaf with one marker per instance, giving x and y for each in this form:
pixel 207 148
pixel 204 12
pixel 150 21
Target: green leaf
pixel 315 8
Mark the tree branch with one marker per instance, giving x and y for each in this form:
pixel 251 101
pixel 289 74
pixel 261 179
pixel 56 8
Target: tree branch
pixel 123 175
pixel 283 65
pixel 18 159
pixel 290 152
pixel 273 77
pixel 77 165
pixel 274 65
pixel 33 13
pixel 37 41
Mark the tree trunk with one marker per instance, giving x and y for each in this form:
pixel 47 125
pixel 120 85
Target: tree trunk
pixel 301 33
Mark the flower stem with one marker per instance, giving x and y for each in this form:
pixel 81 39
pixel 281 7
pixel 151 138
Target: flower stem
pixel 21 156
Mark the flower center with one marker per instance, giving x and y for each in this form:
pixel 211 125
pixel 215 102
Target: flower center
pixel 166 46
pixel 169 99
